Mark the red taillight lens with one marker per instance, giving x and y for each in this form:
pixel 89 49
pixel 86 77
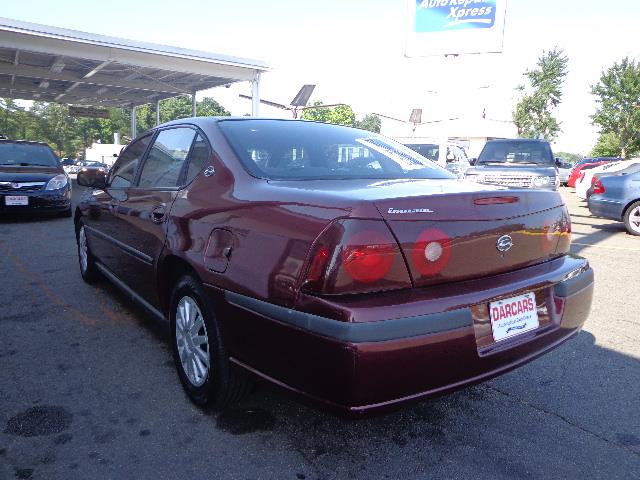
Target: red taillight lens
pixel 598 187
pixel 368 257
pixel 355 256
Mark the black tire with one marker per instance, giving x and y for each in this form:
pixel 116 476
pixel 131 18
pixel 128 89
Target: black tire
pixel 90 273
pixel 632 211
pixel 224 385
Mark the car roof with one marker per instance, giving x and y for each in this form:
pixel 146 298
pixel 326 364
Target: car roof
pixel 523 140
pixel 26 142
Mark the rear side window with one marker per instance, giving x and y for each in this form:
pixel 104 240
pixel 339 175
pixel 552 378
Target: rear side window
pixel 25 154
pixel 166 158
pixel 199 159
pixel 124 170
pixel 281 149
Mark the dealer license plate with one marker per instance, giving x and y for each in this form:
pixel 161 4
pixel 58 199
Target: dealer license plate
pixel 513 316
pixel 16 200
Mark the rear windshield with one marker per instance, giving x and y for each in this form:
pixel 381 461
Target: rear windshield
pixel 538 153
pixel 27 154
pixel 283 150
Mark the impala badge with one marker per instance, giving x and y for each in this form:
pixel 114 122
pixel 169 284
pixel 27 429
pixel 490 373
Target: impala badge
pixel 504 243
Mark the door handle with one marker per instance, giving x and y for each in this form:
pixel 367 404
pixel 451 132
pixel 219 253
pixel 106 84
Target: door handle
pixel 157 214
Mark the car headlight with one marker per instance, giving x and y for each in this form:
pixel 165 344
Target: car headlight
pixel 57 182
pixel 541 181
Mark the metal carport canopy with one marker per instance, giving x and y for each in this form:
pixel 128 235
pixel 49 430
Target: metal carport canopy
pixel 39 62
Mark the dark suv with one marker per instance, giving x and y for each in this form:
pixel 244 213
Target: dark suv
pixel 521 163
pixel 32 179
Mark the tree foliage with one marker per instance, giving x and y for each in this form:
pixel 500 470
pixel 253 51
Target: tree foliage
pixel 533 113
pixel 569 157
pixel 341 115
pixel 70 136
pixel 608 145
pixel 618 112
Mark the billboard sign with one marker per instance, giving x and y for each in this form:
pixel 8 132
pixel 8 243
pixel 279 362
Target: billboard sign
pixel 451 27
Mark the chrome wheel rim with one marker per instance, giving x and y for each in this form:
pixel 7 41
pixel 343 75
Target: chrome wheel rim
pixel 192 341
pixel 634 219
pixel 82 250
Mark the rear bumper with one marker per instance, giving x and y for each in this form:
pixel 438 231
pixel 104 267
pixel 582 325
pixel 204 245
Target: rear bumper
pixel 39 201
pixel 425 350
pixel 605 207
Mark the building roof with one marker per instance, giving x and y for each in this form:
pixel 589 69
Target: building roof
pixel 39 62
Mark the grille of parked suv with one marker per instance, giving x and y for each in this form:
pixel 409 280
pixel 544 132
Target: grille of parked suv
pixel 21 187
pixel 509 180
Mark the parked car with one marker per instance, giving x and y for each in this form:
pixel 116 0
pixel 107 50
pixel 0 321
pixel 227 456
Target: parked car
pixel 564 169
pixel 326 260
pixel 633 168
pixel 520 163
pixel 450 156
pixel 32 179
pixel 596 160
pixel 617 197
pixel 580 169
pixel 88 164
pixel 67 164
pixel 585 179
pixel 92 164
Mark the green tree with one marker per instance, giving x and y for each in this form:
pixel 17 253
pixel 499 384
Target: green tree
pixel 618 112
pixel 319 114
pixel 532 115
pixel 569 157
pixel 608 145
pixel 370 122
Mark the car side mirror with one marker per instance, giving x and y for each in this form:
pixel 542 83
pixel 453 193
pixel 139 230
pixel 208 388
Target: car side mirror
pixel 558 162
pixel 472 161
pixel 92 178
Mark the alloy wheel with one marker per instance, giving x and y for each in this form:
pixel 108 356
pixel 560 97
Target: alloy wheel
pixel 192 341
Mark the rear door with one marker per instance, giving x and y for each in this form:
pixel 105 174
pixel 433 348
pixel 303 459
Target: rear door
pixel 142 215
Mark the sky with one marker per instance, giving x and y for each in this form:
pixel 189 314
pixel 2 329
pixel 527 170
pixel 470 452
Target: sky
pixel 354 51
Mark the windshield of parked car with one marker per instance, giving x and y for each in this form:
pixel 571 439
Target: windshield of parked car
pixel 516 152
pixel 26 154
pixel 287 150
pixel 427 150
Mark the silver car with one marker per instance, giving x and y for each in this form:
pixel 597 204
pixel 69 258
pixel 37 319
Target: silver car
pixel 519 163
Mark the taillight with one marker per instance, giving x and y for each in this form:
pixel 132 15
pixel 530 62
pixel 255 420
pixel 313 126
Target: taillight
pixel 355 256
pixel 431 251
pixel 598 187
pixel 594 180
pixel 556 234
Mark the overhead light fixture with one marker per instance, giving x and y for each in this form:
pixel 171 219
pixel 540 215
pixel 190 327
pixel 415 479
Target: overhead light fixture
pixel 102 90
pixel 44 84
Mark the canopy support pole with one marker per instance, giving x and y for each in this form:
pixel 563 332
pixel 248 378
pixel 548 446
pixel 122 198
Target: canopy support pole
pixel 157 112
pixel 255 96
pixel 193 105
pixel 134 122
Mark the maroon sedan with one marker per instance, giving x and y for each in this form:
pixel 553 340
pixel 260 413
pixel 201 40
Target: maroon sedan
pixel 330 261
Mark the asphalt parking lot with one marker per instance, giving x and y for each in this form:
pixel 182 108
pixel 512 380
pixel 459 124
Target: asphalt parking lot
pixel 88 390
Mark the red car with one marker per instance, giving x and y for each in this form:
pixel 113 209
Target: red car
pixel 333 262
pixel 579 170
